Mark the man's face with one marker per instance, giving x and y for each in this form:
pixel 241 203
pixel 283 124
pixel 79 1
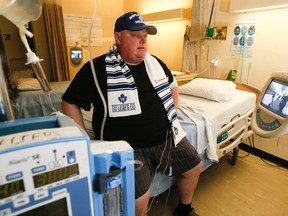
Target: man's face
pixel 132 45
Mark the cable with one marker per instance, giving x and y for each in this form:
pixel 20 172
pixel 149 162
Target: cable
pixel 252 144
pixel 94 72
pixel 265 161
pixel 156 170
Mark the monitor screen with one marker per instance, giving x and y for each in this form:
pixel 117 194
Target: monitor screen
pixel 56 208
pixel 275 98
pixel 76 54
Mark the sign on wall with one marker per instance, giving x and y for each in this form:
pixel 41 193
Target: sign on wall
pixel 77 30
pixel 243 38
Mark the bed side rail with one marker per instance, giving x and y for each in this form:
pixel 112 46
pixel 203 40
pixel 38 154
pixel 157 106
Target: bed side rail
pixel 232 134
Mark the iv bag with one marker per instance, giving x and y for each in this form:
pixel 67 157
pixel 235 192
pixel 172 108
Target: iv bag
pixel 21 12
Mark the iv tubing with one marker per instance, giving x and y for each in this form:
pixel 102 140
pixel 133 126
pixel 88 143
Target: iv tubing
pixel 94 72
pixel 243 53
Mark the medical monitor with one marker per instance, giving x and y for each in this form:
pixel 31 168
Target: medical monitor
pixel 270 116
pixel 76 55
pixel 275 98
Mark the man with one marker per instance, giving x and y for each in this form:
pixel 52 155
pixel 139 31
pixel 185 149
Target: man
pixel 142 98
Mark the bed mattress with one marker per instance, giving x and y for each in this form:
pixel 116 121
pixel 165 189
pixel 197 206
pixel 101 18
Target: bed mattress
pixel 202 118
pixel 223 112
pixel 38 103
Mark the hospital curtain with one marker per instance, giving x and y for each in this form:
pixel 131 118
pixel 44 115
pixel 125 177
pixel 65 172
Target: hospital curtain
pixel 194 37
pixel 54 25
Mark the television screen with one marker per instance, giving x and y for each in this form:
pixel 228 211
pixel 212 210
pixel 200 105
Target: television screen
pixel 76 54
pixel 275 98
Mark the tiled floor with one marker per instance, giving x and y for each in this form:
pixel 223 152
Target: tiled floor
pixel 250 188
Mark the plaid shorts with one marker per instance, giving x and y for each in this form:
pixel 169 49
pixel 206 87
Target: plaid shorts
pixel 181 159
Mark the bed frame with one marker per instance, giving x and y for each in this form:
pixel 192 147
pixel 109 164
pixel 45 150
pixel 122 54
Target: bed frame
pixel 232 134
pixel 228 139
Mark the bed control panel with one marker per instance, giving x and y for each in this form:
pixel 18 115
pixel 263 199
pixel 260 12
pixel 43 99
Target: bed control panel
pixel 222 137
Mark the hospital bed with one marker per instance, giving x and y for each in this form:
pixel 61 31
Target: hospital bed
pixel 216 117
pixel 227 123
pixel 27 97
pixel 34 103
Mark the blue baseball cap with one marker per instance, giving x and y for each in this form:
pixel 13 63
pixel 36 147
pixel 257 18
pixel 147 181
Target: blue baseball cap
pixel 134 22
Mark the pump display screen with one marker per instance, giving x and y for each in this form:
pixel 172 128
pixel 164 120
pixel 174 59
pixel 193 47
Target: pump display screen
pixel 55 175
pixel 57 208
pixel 275 98
pixel 11 189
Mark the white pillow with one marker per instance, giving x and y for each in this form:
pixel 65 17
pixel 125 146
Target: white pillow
pixel 20 74
pixel 26 84
pixel 216 90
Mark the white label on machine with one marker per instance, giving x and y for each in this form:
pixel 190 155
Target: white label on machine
pixel 41 135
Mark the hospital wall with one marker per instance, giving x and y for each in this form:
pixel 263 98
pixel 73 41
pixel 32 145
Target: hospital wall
pixel 108 10
pixel 167 44
pixel 270 54
pixel 269 50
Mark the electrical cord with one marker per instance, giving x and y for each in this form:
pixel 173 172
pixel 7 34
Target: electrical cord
pixel 249 153
pixel 165 169
pixel 264 160
pixel 252 144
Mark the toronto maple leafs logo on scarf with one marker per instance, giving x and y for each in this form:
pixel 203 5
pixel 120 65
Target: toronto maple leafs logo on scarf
pixel 123 106
pixel 122 98
pixel 175 130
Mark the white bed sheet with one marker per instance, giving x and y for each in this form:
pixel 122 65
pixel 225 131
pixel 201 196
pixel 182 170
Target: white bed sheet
pixel 202 118
pixel 223 112
pixel 29 104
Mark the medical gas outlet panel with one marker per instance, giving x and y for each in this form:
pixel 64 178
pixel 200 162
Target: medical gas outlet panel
pixel 45 172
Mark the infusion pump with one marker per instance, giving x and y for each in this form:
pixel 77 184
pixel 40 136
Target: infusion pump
pixel 50 167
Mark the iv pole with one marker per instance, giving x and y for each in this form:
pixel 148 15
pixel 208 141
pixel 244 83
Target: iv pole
pixel 6 112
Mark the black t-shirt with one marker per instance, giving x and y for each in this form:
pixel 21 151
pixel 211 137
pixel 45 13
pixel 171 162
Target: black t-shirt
pixel 146 129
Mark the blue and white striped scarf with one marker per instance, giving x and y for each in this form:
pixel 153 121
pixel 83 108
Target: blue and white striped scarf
pixel 123 95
